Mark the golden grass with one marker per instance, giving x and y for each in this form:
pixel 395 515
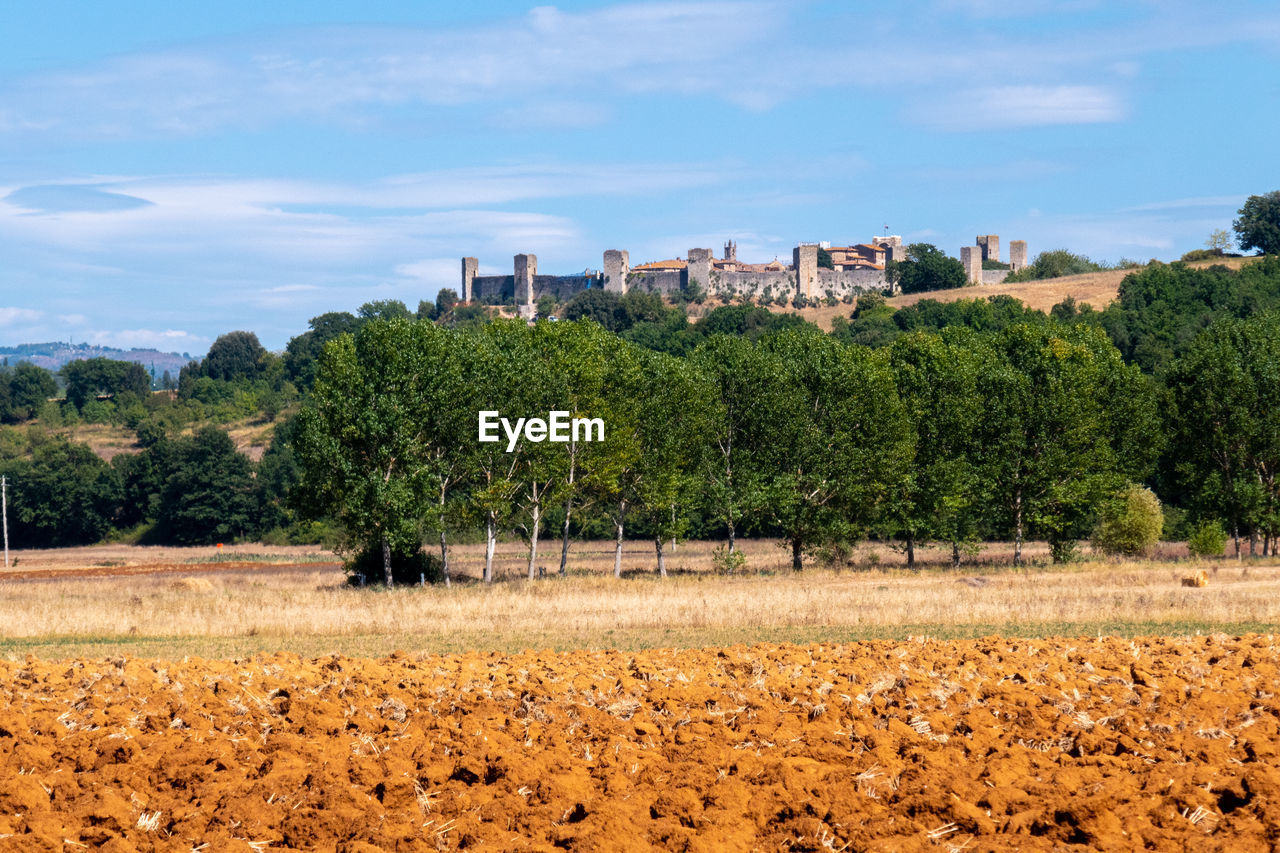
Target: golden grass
pixel 311 610
pixel 1098 289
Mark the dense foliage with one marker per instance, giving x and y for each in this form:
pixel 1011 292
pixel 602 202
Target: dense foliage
pixel 1259 224
pixel 938 422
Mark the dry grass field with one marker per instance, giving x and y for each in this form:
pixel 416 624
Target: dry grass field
pixel 168 602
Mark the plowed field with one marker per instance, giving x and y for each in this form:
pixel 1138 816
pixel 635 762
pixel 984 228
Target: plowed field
pixel 990 744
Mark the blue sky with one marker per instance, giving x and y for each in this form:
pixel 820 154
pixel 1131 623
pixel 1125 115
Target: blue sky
pixel 170 172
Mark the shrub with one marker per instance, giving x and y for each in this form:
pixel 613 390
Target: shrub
pixel 1130 523
pixel 726 563
pixel 1207 539
pixel 406 568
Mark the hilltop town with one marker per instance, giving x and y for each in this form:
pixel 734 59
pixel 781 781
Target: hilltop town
pixel 817 271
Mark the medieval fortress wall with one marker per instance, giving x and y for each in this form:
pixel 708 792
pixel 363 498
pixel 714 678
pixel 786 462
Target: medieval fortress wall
pixel 854 269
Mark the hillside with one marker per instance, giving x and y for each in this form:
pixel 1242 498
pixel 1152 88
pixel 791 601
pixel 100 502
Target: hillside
pixel 1097 289
pixel 54 354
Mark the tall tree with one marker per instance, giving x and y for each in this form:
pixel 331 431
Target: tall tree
pixel 361 442
pixel 843 444
pixel 234 356
pixel 209 493
pixel 1225 422
pixel 64 495
pixel 749 394
pixel 1058 434
pixel 942 495
pixel 1259 224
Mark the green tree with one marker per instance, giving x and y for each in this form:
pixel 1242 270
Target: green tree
pixel 89 378
pixel 672 422
pixel 30 387
pixel 842 445
pixel 1225 422
pixel 602 306
pixel 234 356
pixel 360 443
pixel 1259 224
pixel 384 309
pixel 302 353
pixel 749 393
pixel 209 493
pixel 926 268
pixel 65 495
pixel 943 494
pixel 1055 263
pixel 1065 424
pixel 1129 523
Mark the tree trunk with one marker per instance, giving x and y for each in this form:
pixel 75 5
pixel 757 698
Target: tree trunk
pixel 444 545
pixel 564 539
pixel 617 547
pixel 1017 528
pixel 955 555
pixel 662 562
pixel 796 562
pixel 1253 543
pixel 386 564
pixel 733 538
pixel 533 542
pixel 490 542
pixel 444 557
pixel 911 552
pixel 1235 534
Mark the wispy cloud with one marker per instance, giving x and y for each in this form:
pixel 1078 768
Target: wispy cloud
pixel 13 316
pixel 165 340
pixel 568 69
pixel 1000 107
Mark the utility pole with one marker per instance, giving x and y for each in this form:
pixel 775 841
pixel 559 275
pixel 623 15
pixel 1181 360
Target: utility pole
pixel 4 514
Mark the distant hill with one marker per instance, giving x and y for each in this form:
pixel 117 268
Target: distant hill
pixel 52 356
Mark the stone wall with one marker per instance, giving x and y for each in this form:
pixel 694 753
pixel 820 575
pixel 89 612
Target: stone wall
pixel 994 276
pixel 754 284
pixel 563 287
pixel 848 282
pixel 493 289
pixel 665 281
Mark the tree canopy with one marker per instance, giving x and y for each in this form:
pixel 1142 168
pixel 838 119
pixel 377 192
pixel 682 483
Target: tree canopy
pixel 1258 225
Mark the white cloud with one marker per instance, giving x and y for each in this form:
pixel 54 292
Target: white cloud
pixel 1003 107
pixel 553 68
pixel 166 340
pixel 11 316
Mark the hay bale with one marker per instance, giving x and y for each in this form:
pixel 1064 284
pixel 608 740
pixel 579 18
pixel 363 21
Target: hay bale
pixel 1197 580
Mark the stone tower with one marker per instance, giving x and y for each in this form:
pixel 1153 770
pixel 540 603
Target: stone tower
pixel 805 260
pixel 730 251
pixel 699 269
pixel 617 265
pixel 971 258
pixel 990 245
pixel 526 271
pixel 469 268
pixel 1017 255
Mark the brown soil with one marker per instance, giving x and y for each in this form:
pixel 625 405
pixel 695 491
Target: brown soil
pixel 924 745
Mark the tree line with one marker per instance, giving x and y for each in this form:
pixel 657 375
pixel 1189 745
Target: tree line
pixel 947 436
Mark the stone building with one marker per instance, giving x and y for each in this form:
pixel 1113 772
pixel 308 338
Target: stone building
pixel 855 268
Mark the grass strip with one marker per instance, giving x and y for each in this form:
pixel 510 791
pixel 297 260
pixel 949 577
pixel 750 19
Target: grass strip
pixel 378 645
